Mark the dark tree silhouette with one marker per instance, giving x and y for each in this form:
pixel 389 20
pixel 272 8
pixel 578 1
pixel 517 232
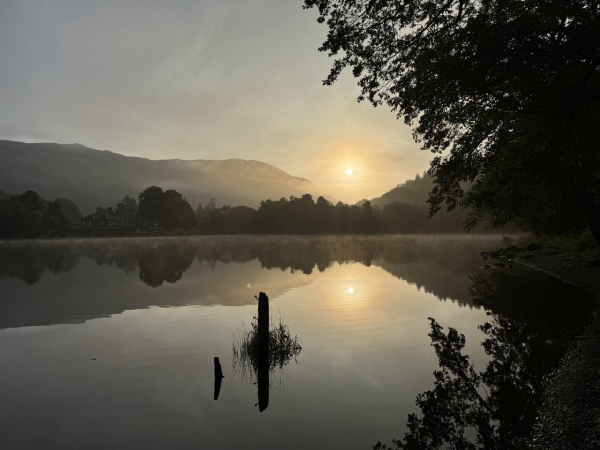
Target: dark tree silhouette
pixel 25 216
pixel 151 209
pixel 56 222
pixel 505 94
pixel 31 200
pixel 200 214
pixel 69 208
pixel 165 210
pixel 177 211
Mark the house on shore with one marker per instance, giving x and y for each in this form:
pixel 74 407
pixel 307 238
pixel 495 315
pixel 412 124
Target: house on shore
pixel 123 216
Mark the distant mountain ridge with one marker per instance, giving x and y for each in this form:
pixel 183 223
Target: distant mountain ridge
pixel 412 192
pixel 408 201
pixel 94 178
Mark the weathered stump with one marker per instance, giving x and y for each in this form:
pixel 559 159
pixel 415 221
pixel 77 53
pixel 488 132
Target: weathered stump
pixel 263 352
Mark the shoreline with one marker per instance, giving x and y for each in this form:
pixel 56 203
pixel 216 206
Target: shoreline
pixel 569 412
pixel 570 271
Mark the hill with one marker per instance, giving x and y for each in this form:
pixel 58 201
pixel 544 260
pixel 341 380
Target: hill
pixel 411 192
pixel 405 206
pixel 94 178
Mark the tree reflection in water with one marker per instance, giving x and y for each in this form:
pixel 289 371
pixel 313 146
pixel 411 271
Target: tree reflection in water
pixel 525 338
pixel 436 264
pixel 166 262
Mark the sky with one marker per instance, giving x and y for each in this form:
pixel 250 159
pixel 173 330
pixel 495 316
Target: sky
pixel 196 79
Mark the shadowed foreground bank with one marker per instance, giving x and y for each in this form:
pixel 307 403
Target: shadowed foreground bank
pixel 570 410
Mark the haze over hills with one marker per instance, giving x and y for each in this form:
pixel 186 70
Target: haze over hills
pixel 94 178
pixel 411 192
pixel 408 201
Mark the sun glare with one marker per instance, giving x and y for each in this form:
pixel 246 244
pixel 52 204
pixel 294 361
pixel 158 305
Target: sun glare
pixel 349 171
pixel 350 290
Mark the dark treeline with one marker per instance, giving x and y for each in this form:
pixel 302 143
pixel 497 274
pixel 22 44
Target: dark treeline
pixel 304 215
pixel 30 216
pixel 168 210
pixel 158 211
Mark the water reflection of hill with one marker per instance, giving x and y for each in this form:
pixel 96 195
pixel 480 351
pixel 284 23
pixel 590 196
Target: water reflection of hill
pixel 438 265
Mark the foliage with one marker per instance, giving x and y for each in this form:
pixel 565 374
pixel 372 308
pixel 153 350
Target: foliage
pixel 55 221
pixel 580 246
pixel 505 94
pixel 131 202
pixel 165 210
pixel 69 208
pixel 151 209
pixel 227 219
pixel 302 215
pixel 178 212
pixel 25 216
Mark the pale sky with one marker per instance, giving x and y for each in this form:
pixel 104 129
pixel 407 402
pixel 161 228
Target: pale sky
pixel 196 79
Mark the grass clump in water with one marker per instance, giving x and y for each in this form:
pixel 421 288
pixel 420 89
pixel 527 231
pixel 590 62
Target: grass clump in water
pixel 283 348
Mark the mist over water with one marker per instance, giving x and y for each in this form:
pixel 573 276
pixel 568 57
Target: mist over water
pixel 110 343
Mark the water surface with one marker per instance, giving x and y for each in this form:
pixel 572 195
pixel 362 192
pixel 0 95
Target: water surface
pixel 110 343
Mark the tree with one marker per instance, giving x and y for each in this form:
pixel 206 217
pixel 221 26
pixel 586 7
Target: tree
pixel 25 216
pixel 367 218
pixel 57 223
pixel 174 209
pixel 131 202
pixel 166 210
pixel 240 219
pixel 200 214
pixel 32 201
pixel 151 208
pixel 212 204
pixel 505 94
pixel 69 208
pixel 188 218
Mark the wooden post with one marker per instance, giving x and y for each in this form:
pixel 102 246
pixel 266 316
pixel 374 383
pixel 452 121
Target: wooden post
pixel 218 377
pixel 263 352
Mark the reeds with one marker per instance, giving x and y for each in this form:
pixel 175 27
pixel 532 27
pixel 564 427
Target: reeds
pixel 283 348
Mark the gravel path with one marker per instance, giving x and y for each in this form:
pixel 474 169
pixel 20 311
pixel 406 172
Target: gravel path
pixel 570 411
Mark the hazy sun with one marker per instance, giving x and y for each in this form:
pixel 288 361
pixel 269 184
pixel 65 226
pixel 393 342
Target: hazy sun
pixel 349 171
pixel 350 290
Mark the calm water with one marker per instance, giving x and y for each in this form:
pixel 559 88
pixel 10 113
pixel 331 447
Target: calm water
pixel 110 343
